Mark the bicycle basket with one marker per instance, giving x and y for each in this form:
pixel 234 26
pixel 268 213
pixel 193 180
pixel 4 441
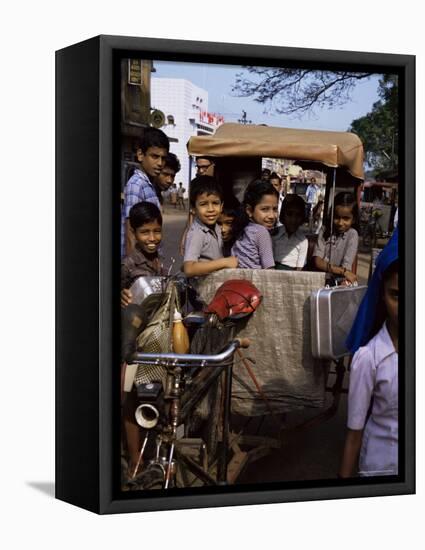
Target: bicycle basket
pixel 156 338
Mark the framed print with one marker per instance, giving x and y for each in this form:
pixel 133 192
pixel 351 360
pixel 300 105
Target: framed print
pixel 233 226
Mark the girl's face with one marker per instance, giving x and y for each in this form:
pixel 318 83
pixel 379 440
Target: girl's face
pixel 265 212
pixel 391 299
pixel 343 218
pixel 149 236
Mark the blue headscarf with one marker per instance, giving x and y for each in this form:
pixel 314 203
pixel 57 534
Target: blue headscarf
pixel 361 331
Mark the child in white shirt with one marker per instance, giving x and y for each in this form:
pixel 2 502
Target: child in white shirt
pixel 290 244
pixel 371 445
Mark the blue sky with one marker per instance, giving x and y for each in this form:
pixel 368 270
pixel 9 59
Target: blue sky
pixel 218 81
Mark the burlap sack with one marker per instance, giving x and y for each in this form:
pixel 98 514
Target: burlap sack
pixel 281 342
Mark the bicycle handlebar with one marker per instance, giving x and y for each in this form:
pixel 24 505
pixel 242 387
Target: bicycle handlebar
pixel 178 360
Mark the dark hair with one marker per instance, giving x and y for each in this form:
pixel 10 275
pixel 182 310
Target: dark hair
pixel 381 312
pixel 144 212
pixel 154 137
pixel 253 195
pixel 231 206
pixel 344 199
pixel 172 162
pixel 204 184
pixel 210 159
pixel 292 201
pixel 274 176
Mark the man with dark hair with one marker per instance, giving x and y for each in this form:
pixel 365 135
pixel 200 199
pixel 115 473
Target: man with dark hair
pixel 205 166
pixel 180 195
pixel 151 155
pixel 312 196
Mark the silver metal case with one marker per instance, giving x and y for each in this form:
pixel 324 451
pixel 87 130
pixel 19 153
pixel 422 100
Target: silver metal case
pixel 333 310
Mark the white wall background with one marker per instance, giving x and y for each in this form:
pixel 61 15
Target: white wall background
pixel 30 32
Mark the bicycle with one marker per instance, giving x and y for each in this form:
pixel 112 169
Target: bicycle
pixel 168 415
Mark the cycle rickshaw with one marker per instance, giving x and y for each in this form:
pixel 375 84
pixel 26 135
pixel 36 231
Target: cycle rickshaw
pixel 282 372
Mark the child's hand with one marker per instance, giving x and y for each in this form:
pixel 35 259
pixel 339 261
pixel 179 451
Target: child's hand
pixel 231 262
pixel 126 297
pixel 350 277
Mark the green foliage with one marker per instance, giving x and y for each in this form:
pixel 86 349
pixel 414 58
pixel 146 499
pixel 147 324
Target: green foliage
pixel 378 130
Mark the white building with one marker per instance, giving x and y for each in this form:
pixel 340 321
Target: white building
pixel 185 107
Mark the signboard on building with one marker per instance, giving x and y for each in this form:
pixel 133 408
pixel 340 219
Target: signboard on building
pixel 135 72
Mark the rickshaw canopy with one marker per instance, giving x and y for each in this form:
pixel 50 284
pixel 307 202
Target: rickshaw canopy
pixel 342 150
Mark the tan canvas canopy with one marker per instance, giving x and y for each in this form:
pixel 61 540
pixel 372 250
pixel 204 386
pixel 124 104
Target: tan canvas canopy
pixel 333 149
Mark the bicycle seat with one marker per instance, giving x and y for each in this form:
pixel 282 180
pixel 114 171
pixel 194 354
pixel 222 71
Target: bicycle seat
pixel 234 299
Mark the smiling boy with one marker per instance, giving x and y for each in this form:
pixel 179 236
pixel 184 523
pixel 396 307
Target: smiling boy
pixel 146 227
pixel 204 243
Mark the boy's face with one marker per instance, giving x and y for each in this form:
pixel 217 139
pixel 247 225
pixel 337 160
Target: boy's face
pixel 225 221
pixel 153 160
pixel 208 208
pixel 166 178
pixel 391 299
pixel 148 236
pixel 292 219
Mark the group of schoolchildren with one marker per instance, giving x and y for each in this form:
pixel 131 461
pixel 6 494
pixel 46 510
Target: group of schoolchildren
pixel 225 234
pixel 253 235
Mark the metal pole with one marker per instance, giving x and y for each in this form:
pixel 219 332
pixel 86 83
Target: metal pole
pixel 332 214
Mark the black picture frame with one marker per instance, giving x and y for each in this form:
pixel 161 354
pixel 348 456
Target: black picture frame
pixel 86 355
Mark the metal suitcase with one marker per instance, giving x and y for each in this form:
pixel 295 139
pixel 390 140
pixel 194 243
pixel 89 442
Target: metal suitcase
pixel 333 310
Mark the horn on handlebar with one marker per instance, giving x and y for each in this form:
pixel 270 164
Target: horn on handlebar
pixel 147 416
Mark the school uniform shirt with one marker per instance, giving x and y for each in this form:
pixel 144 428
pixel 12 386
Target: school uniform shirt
pixel 203 243
pixel 374 374
pixel 138 188
pixel 253 248
pixel 290 250
pixel 340 250
pixel 138 264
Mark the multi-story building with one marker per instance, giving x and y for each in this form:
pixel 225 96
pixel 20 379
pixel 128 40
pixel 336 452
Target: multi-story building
pixel 185 107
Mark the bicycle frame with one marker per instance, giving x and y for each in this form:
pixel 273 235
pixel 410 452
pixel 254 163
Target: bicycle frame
pixel 183 402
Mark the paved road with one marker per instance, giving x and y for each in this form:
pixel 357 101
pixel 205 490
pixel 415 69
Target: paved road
pixel 309 455
pixel 174 222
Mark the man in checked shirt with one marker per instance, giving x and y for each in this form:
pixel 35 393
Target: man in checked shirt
pixel 151 155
